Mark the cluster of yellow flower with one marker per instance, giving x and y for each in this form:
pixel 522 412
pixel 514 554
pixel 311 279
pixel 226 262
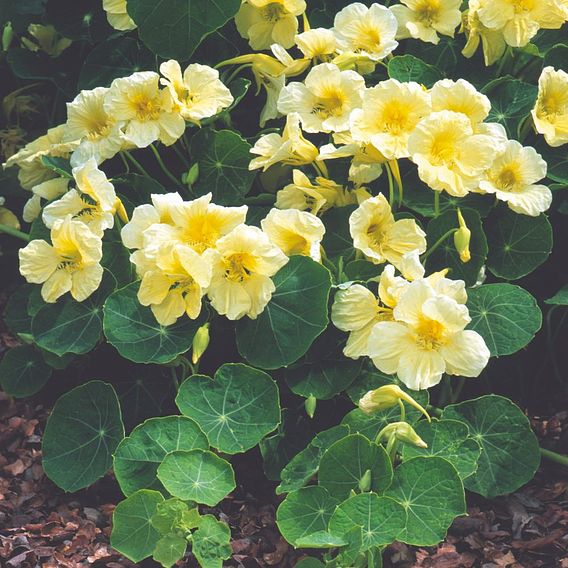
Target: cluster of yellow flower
pixel 132 113
pixel 501 23
pixel 415 328
pixel 186 249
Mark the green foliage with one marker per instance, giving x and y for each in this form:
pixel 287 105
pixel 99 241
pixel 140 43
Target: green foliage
pixel 509 449
pixel 295 316
pixel 82 432
pixel 236 409
pixel 407 68
pixel 23 371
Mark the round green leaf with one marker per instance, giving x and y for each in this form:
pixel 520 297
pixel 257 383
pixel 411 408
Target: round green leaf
pixel 132 532
pixel 431 491
pixel 169 549
pixel 446 255
pixel 138 456
pixel 23 371
pixel 114 58
pixel 16 315
pixel 510 453
pixel 320 539
pixel 82 432
pixel 323 379
pixel 304 512
pixel 68 326
pixel 223 159
pixel 174 28
pixel 211 543
pixel 294 317
pixel 310 562
pixel 506 316
pixel 304 465
pixel 133 330
pixel 344 464
pixel 511 101
pixel 407 68
pixel 448 439
pixel 337 240
pixel 197 475
pixel 517 243
pixel 560 298
pixel 381 519
pixel 236 409
pixel 556 159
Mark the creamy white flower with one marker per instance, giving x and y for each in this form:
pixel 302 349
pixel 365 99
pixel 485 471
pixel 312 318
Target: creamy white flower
pixel 325 100
pixel 117 15
pixel 550 114
pixel 460 96
pixel 199 93
pixel 367 31
pixel 513 176
pixel 317 42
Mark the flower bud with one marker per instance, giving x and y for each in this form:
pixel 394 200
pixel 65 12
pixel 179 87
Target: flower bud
pixel 462 238
pixel 403 432
pixel 387 397
pixel 200 343
pixel 310 405
pixel 192 175
pixel 365 482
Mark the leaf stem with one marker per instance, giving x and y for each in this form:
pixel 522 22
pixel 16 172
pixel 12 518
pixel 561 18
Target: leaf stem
pixel 391 189
pixel 554 457
pixel 184 160
pixel 436 203
pixel 437 244
pixel 163 166
pixel 14 232
pixel 136 163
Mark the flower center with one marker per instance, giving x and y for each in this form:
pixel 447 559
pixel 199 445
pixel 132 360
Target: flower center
pixel 145 109
pixel 239 267
pixel 507 179
pixel 330 103
pixel 272 12
pixel 394 118
pixel 430 334
pixel 69 260
pixel 368 38
pixel 443 149
pixel 376 235
pixel 428 11
pixel 553 104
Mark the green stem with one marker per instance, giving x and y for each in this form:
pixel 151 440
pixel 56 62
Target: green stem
pixel 402 410
pixel 436 203
pixel 181 156
pixel 437 244
pixel 391 189
pixel 554 457
pixel 526 127
pixel 125 162
pixel 136 163
pixel 175 380
pixel 456 392
pixel 14 232
pixel 163 166
pixel 236 72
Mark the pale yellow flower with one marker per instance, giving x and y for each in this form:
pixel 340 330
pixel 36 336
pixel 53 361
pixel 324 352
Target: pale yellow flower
pixel 379 237
pixel 294 232
pixel 94 202
pixel 357 310
pixel 460 96
pixel 425 19
pixel 367 31
pixel 449 156
pixel 117 15
pixel 493 42
pixel 289 148
pixel 88 122
pixel 47 39
pixel 146 215
pixel 32 172
pixel 243 262
pixel 71 264
pixel 264 22
pixel 550 114
pixel 325 99
pixel 316 197
pixel 513 176
pixel 150 113
pixel 520 20
pixel 316 43
pixel 389 114
pixel 48 190
pixel 366 161
pixel 427 339
pixel 176 284
pixel 199 93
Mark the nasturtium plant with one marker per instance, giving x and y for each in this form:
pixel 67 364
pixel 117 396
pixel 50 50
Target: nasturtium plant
pixel 288 226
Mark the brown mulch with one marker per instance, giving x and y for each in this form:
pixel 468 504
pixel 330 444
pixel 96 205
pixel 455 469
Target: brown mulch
pixel 42 526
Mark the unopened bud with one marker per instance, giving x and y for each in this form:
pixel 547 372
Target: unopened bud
pixel 310 405
pixel 387 397
pixel 403 432
pixel 365 482
pixel 200 343
pixel 192 175
pixel 7 36
pixel 121 211
pixel 462 238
